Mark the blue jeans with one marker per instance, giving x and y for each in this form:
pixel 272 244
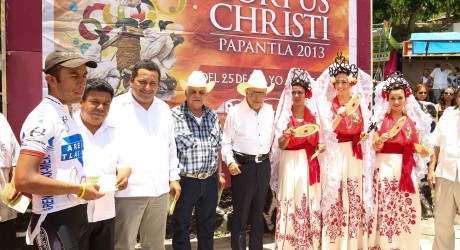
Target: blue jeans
pixel 201 194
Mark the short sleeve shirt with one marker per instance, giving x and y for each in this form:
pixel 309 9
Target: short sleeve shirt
pixel 51 133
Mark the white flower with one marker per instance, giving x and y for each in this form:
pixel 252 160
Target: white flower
pixel 350 78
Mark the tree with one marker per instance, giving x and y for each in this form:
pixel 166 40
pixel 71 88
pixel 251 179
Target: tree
pixel 403 14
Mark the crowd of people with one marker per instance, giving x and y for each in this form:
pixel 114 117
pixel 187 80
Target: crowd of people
pixel 345 168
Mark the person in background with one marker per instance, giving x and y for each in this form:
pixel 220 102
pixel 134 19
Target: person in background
pixel 446 100
pixel 427 80
pixel 9 152
pixel 444 180
pixel 246 142
pixel 420 94
pixel 454 78
pixel 105 160
pixel 198 139
pixel 426 199
pixel 148 126
pixel 440 76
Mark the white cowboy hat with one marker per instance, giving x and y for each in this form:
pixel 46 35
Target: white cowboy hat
pixel 197 79
pixel 256 80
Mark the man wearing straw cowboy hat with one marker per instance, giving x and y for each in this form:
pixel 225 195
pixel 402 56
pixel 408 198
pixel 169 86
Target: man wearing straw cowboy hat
pixel 198 139
pixel 248 134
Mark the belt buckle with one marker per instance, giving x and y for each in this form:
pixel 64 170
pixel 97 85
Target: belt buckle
pixel 202 176
pixel 257 159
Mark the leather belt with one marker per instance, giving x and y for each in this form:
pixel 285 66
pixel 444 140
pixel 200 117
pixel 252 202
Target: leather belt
pixel 244 158
pixel 200 176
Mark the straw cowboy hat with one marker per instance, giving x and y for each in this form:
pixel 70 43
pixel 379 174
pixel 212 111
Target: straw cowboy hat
pixel 198 80
pixel 256 80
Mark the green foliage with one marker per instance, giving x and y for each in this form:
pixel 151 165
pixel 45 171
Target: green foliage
pixel 219 234
pixel 404 14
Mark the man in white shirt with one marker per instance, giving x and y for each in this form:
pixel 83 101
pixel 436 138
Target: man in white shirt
pixel 247 138
pixel 9 152
pixel 440 81
pixel 446 179
pixel 104 158
pixel 148 125
pixel 50 164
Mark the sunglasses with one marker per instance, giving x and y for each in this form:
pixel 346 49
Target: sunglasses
pixel 451 94
pixel 421 93
pixel 258 94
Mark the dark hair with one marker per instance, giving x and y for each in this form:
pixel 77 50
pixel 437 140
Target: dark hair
pixel 453 102
pixel 100 85
pixel 457 68
pixel 145 64
pixel 55 71
pixel 395 81
pixel 437 65
pixel 300 77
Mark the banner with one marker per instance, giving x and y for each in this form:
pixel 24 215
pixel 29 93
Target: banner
pixel 225 39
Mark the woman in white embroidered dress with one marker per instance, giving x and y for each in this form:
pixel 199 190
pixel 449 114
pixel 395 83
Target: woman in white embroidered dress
pixel 345 220
pixel 397 212
pixel 298 221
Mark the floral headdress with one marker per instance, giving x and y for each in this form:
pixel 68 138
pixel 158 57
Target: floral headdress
pixel 300 77
pixel 395 81
pixel 341 65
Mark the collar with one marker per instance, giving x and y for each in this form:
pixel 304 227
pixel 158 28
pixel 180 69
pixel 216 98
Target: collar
pixel 105 124
pixel 55 102
pixel 129 98
pixel 186 110
pixel 245 106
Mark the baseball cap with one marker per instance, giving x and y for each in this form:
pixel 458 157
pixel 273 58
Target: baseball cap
pixel 68 59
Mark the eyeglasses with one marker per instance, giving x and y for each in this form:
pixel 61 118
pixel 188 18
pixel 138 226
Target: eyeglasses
pixel 258 94
pixel 451 94
pixel 299 93
pixel 421 93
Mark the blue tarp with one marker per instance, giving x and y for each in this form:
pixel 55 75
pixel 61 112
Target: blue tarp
pixel 439 43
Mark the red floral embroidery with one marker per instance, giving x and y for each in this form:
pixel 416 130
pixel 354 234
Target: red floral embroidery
pixel 379 248
pixel 338 218
pixel 357 217
pixel 396 211
pixel 306 224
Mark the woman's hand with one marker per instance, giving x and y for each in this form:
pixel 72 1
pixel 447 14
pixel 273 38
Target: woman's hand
pixel 425 152
pixel 320 148
pixel 363 136
pixel 383 138
pixel 288 133
pixel 342 112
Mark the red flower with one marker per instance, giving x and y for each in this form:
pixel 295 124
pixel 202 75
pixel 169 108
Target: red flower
pixel 308 94
pixel 408 92
pixel 385 95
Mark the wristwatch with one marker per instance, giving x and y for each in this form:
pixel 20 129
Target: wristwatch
pixel 221 174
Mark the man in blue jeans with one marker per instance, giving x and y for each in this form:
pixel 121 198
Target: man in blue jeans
pixel 198 138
